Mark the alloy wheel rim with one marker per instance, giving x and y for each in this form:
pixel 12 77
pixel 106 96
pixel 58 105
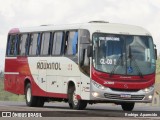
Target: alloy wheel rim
pixel 75 100
pixel 29 94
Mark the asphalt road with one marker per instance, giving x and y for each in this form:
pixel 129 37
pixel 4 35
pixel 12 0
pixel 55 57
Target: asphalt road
pixel 58 109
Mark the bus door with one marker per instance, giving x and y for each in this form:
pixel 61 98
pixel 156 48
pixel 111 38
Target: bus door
pixel 84 62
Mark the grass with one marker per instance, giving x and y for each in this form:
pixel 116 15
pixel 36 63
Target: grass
pixel 6 96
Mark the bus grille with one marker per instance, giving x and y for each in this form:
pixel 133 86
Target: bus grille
pixel 118 97
pixel 124 90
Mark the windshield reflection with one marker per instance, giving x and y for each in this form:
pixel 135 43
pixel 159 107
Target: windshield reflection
pixel 123 54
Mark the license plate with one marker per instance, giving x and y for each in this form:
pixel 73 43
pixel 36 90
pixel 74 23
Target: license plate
pixel 125 96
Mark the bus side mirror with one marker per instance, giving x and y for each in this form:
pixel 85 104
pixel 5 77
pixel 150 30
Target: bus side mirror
pixel 155 53
pixel 89 51
pixel 155 50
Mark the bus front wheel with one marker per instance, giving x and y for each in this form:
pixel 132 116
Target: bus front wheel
pixel 127 106
pixel 74 103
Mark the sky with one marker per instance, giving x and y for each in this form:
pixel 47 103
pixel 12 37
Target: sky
pixel 27 13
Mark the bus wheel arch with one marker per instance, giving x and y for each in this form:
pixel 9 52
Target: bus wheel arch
pixel 70 84
pixel 73 101
pixel 27 81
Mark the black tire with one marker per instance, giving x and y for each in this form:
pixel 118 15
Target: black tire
pixel 70 105
pixel 40 102
pixel 127 106
pixel 31 101
pixel 75 103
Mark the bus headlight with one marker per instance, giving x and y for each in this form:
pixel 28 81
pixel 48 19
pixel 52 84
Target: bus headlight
pixel 150 97
pixel 148 89
pixel 97 85
pixel 95 94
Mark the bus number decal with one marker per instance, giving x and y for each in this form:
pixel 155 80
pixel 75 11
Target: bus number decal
pixel 108 61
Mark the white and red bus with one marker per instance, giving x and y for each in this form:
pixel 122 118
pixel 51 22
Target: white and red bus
pixel 95 62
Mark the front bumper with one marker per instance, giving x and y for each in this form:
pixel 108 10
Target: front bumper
pixel 111 95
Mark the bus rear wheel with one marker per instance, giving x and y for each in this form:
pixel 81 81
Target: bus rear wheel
pixel 40 102
pixel 74 103
pixel 127 106
pixel 32 101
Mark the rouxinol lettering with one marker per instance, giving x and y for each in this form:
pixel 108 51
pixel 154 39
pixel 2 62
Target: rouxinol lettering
pixel 51 66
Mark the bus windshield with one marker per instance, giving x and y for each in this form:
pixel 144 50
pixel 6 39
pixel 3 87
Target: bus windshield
pixel 123 54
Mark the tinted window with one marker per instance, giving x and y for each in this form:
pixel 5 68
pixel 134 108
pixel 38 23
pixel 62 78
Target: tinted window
pixel 12 45
pixel 22 44
pixel 57 43
pixel 45 49
pixel 34 44
pixel 123 54
pixel 71 43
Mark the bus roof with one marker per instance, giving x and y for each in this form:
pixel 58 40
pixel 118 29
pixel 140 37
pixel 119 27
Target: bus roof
pixel 103 27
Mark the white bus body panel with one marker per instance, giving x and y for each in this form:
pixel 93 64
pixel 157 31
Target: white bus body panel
pixel 56 81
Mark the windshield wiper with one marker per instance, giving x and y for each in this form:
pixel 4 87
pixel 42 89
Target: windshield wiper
pixel 120 60
pixel 131 57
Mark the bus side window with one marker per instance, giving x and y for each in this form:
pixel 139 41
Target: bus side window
pixel 58 43
pixel 12 45
pixel 34 47
pixel 22 44
pixel 45 45
pixel 71 44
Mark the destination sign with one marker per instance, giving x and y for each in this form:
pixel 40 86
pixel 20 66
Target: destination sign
pixel 110 38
